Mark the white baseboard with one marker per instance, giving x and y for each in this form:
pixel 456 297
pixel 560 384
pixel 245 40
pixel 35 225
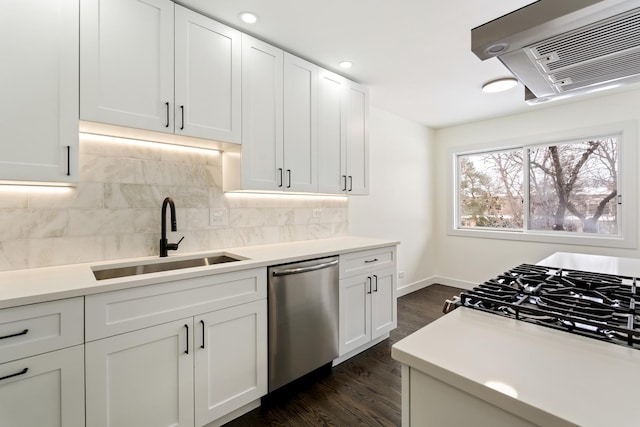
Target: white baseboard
pixel 415 286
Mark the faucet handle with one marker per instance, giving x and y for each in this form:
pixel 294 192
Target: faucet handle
pixel 174 246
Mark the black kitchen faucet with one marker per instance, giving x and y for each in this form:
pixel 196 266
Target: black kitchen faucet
pixel 164 245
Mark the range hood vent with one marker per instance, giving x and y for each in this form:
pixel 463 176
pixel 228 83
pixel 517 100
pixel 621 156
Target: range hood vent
pixel 561 48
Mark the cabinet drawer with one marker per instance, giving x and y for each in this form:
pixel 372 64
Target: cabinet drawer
pixel 122 311
pixel 355 263
pixel 38 328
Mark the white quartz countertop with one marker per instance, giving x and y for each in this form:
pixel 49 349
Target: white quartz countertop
pixel 19 287
pixel 548 377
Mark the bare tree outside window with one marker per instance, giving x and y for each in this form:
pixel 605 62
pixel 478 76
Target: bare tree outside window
pixel 572 188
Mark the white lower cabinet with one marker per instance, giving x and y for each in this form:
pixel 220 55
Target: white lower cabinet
pixel 230 360
pixel 181 353
pixel 43 390
pixel 141 378
pixel 367 307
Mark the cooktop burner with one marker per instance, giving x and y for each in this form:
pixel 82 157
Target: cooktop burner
pixel 600 306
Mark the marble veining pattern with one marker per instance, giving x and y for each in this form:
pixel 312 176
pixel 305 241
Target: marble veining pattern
pixel 114 212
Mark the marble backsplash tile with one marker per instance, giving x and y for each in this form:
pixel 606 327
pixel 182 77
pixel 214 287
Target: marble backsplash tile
pixel 114 211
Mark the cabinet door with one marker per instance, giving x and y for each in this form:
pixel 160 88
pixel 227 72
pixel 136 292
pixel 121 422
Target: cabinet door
pixel 126 63
pixel 230 359
pixel 357 138
pixel 44 390
pixel 207 80
pixel 300 124
pixel 355 312
pixel 383 302
pixel 262 126
pixel 142 378
pixel 39 86
pixel 331 153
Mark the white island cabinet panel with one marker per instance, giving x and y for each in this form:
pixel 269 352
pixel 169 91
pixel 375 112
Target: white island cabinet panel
pixel 126 63
pixel 39 86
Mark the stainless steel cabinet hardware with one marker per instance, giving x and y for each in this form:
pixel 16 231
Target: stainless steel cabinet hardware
pixel 288 178
pixel 182 115
pixel 186 351
pixel 376 281
pixel 202 323
pixel 167 104
pixel 350 183
pixel 24 371
pixel 15 335
pixel 368 261
pixel 281 178
pixel 345 182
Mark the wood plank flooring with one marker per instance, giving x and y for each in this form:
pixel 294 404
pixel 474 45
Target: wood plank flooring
pixel 364 390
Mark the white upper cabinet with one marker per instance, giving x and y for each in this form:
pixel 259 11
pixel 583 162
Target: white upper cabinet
pixel 126 63
pixel 262 127
pixel 207 83
pixel 39 87
pixel 300 125
pixel 127 69
pixel 279 122
pixel 343 158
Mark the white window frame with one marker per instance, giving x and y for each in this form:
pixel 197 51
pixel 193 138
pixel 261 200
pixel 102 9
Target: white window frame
pixel 627 187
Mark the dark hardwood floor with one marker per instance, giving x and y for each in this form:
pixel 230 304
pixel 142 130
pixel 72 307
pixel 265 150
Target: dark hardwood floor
pixel 364 390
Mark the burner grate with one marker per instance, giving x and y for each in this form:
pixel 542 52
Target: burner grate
pixel 600 306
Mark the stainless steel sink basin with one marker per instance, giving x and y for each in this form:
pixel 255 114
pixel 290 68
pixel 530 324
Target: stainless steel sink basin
pixel 134 270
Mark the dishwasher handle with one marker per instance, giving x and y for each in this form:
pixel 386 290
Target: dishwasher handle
pixel 300 270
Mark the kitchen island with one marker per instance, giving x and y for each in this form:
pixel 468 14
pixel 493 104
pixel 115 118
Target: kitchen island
pixel 480 369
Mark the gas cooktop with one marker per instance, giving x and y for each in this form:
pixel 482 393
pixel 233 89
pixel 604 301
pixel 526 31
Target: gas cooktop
pixel 600 306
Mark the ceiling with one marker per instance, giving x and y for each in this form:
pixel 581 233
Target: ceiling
pixel 414 55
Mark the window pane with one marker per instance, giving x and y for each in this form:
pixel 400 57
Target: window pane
pixel 490 190
pixel 573 187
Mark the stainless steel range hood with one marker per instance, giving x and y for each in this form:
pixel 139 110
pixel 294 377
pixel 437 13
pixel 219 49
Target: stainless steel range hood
pixel 561 48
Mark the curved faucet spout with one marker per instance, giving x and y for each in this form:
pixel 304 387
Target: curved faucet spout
pixel 164 245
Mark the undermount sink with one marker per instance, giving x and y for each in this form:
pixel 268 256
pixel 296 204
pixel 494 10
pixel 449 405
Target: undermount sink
pixel 155 267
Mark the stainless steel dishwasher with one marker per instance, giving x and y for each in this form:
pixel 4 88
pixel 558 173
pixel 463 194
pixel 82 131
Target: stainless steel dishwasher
pixel 303 318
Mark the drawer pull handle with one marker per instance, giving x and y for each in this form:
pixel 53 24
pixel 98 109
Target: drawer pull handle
pixel 369 261
pixel 202 322
pixel 186 351
pixel 24 371
pixel 15 335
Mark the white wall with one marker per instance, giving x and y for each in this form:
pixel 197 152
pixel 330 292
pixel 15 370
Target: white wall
pixel 399 205
pixel 466 261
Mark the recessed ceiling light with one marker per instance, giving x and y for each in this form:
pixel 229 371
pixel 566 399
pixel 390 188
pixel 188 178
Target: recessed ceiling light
pixel 499 85
pixel 345 64
pixel 249 17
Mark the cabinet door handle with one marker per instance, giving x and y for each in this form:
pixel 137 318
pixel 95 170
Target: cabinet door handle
pixel 369 261
pixel 167 104
pixel 24 371
pixel 376 288
pixel 68 160
pixel 182 115
pixel 350 183
pixel 186 351
pixel 25 332
pixel 288 178
pixel 345 182
pixel 202 323
pixel 369 287
pixel 281 179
